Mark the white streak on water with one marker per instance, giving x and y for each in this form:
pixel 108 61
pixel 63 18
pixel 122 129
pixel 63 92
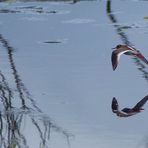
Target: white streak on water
pixel 79 21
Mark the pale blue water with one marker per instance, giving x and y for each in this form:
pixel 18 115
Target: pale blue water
pixel 71 77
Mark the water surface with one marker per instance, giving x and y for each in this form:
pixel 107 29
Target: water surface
pixel 57 77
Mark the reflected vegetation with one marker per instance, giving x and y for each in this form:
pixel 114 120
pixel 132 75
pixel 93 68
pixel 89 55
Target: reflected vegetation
pixel 120 30
pixel 30 9
pixel 12 116
pixel 71 1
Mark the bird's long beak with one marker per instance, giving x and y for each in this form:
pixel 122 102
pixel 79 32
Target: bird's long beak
pixel 113 48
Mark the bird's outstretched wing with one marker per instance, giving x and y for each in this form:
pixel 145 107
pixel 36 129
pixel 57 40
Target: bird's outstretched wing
pixel 144 60
pixel 116 56
pixel 115 106
pixel 115 109
pixel 140 103
pixel 114 60
pixel 141 56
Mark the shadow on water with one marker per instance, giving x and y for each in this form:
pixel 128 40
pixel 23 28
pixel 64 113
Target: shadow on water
pixel 12 116
pixel 120 30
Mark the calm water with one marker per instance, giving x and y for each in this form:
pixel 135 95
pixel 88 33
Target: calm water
pixel 56 77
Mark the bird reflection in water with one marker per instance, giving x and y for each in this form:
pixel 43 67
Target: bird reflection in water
pixel 126 112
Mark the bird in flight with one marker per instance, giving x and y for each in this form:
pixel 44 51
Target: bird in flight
pixel 127 50
pixel 126 112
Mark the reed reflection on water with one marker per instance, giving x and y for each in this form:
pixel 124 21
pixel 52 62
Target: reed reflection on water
pixel 12 116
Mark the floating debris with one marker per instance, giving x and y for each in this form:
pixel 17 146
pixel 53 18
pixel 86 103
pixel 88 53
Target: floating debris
pixel 52 42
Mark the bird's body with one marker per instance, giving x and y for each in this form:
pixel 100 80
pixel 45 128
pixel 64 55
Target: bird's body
pixel 127 50
pixel 126 112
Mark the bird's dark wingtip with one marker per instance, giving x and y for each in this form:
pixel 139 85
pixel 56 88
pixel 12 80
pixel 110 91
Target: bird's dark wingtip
pixel 114 105
pixel 143 58
pixel 114 60
pixel 145 61
pixel 114 98
pixel 114 66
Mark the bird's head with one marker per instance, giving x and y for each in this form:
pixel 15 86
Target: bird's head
pixel 117 47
